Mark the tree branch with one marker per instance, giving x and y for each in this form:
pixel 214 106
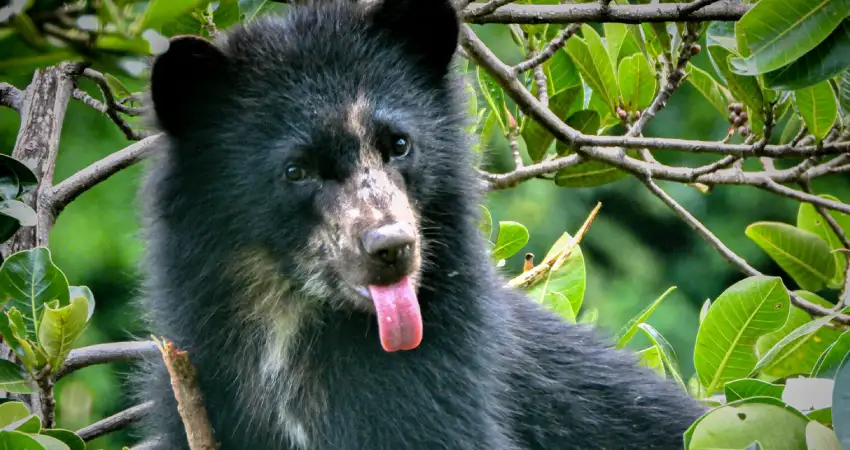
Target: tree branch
pixel 72 187
pixel 727 253
pixel 111 108
pixel 697 5
pixel 596 12
pixel 105 353
pixel 115 422
pixel 547 53
pixel 10 96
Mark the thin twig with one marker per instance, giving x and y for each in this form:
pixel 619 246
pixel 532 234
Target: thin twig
pixel 488 8
pixel 542 89
pixel 105 353
pixel 112 108
pixel 115 422
pixel 696 5
pixel 71 188
pixel 727 253
pixel 549 51
pixel 11 97
pixel 595 12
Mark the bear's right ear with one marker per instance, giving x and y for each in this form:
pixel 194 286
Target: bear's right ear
pixel 183 79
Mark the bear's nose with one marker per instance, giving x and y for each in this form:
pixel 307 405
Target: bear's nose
pixel 389 244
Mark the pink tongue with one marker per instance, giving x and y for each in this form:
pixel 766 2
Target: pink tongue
pixel 399 320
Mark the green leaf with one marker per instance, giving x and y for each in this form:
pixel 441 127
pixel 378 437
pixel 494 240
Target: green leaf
pixel 843 82
pixel 637 82
pixel 538 139
pixel 586 121
pixel 186 23
pixel 11 337
pixel 803 255
pixel 589 317
pixel 779 31
pixel 819 437
pixel 631 327
pixel 825 61
pixel 704 310
pixel 737 424
pixel 495 97
pixel 651 358
pixel 512 238
pixel 117 87
pixel 15 440
pixel 226 14
pixel 28 280
pixel 810 220
pixel 714 92
pixel 560 304
pixel 567 280
pixel 19 211
pixel 49 442
pixel 561 72
pixel 832 358
pixel 29 424
pixel 13 378
pixel 744 88
pixel 790 344
pixel 26 178
pixel 60 327
pixel 744 312
pixel 591 58
pixel 69 438
pixel 11 412
pixel 841 404
pixel 823 416
pixel 749 387
pixel 160 12
pixel 589 173
pixel 794 125
pixel 84 291
pixel 819 107
pixel 620 41
pixel 668 355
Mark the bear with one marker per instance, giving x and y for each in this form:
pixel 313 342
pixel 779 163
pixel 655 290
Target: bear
pixel 312 240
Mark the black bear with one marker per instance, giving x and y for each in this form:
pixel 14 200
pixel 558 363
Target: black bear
pixel 313 242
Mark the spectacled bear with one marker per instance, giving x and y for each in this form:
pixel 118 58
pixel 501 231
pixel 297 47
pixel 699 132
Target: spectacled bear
pixel 313 242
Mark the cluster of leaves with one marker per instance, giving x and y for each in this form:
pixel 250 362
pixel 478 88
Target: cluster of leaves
pixel 760 361
pixel 16 180
pixel 42 316
pixel 793 66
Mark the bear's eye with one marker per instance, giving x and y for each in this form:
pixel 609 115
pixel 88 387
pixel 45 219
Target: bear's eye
pixel 295 173
pixel 400 147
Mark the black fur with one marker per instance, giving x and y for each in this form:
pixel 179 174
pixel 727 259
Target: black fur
pixel 494 370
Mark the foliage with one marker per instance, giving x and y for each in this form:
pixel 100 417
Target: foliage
pixel 759 343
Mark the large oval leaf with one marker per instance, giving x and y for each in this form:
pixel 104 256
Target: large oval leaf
pixel 779 31
pixel 751 387
pixel 11 412
pixel 591 58
pixel 561 72
pixel 537 139
pixel 825 61
pixel 819 107
pixel 841 404
pixel 512 238
pixel 495 97
pixel 803 255
pixel 737 424
pixel 28 280
pixel 13 378
pixel 69 438
pixel 15 440
pixel 809 219
pixel 819 437
pixel 744 312
pixel 637 82
pixel 795 348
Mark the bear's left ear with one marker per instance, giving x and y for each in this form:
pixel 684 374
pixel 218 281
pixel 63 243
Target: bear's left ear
pixel 428 29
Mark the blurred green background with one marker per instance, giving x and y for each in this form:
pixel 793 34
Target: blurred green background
pixel 635 250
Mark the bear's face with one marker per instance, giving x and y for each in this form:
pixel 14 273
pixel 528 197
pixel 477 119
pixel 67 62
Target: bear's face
pixel 329 130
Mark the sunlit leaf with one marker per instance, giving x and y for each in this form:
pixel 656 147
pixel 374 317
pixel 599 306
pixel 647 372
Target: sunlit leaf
pixel 651 358
pixel 60 327
pixel 738 424
pixel 568 280
pixel 832 358
pixel 561 72
pixel 226 14
pixel 810 220
pixel 750 387
pixel 591 58
pixel 19 441
pixel 819 107
pixel 495 97
pixel 11 412
pixel 668 355
pixel 637 82
pixel 159 12
pixel 13 378
pixel 779 31
pixel 69 438
pixel 744 312
pixel 803 255
pixel 819 437
pixel 631 327
pixel 512 238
